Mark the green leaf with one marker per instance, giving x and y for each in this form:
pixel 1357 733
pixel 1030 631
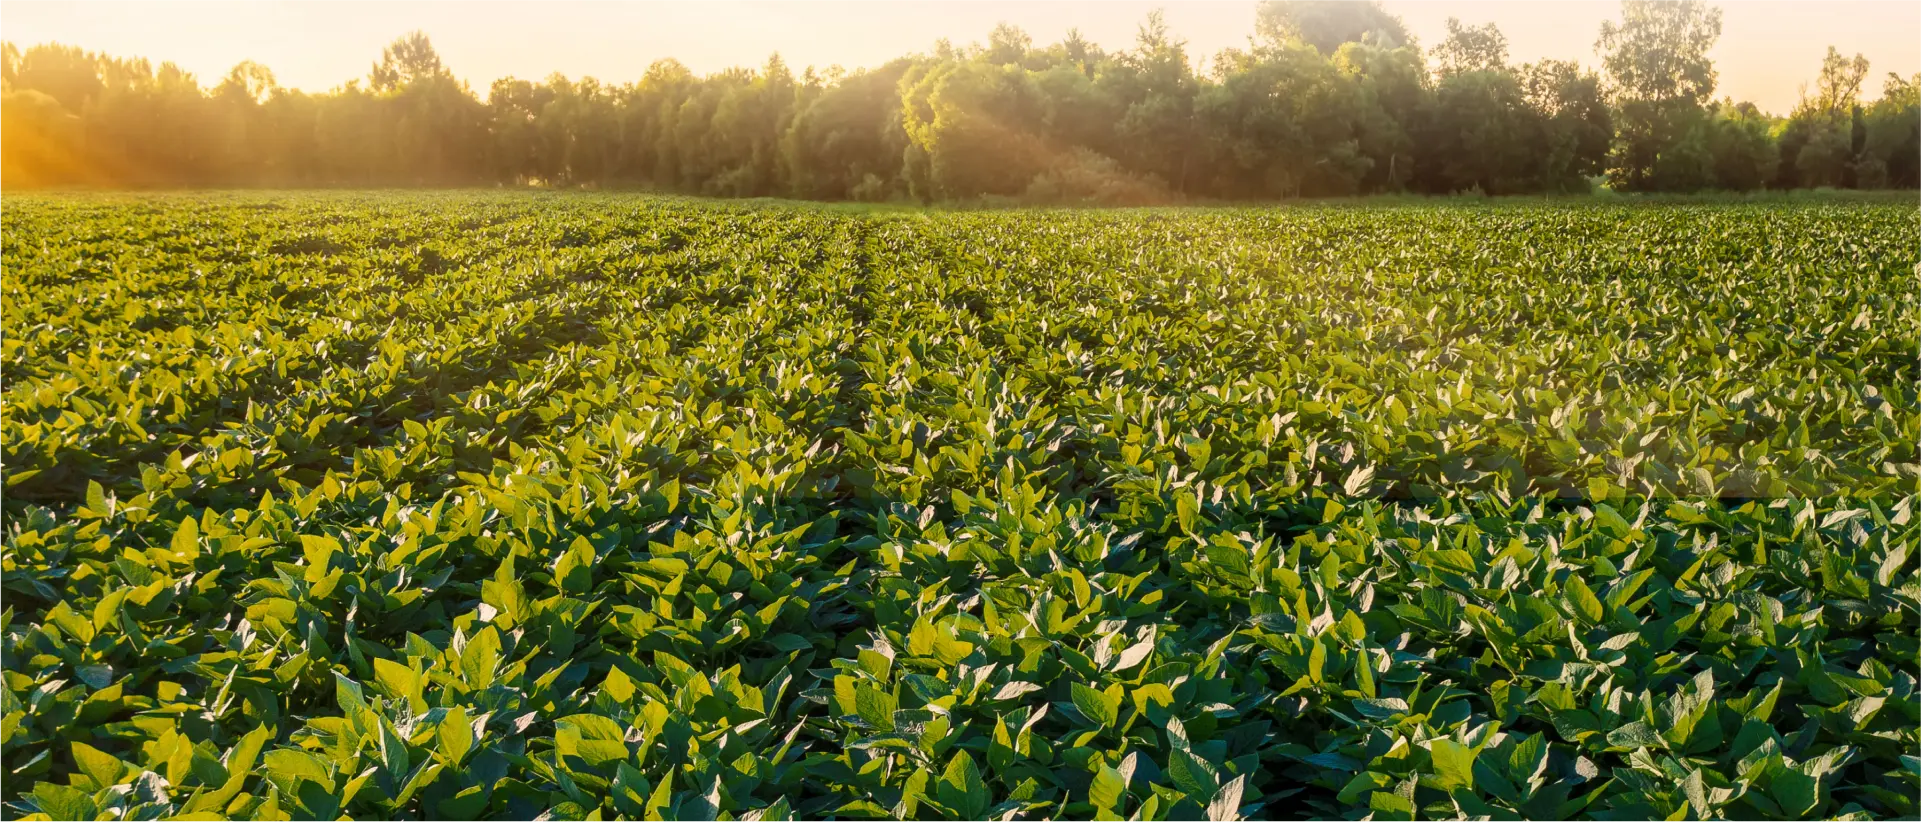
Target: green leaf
pixel 1134 655
pixel 1453 764
pixel 1192 775
pixel 1094 705
pixel 238 762
pixel 465 803
pixel 1798 793
pixel 62 802
pixel 97 501
pixel 1586 605
pixel 706 804
pixel 1226 805
pixel 1358 481
pixel 592 737
pixel 629 790
pixel 319 550
pixel 290 765
pixel 79 628
pixel 1634 735
pixel 776 812
pixel 961 788
pixel 1387 805
pixel 103 768
pixel 875 707
pixel 912 793
pixel 575 569
pixel 1107 789
pixel 480 659
pixel 1187 510
pixel 186 539
pixel 455 735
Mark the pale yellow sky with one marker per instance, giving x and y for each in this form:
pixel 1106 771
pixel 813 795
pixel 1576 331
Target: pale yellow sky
pixel 1768 48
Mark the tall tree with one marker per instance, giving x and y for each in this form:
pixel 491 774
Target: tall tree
pixel 408 60
pixel 1007 45
pixel 518 153
pixel 69 75
pixel 846 143
pixel 438 127
pixel 1838 89
pixel 8 60
pixel 1392 85
pixel 244 124
pixel 1659 50
pixel 971 119
pixel 1282 122
pixel 1471 48
pixel 1576 124
pixel 649 120
pixel 1326 24
pixel 1657 60
pixel 1156 84
pixel 1818 145
pixel 1891 152
pixel 249 82
pixel 1328 99
pixel 1477 135
pixel 1743 152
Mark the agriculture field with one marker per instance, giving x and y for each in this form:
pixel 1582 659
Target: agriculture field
pixel 499 505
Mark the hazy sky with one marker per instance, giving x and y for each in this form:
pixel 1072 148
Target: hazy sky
pixel 1768 48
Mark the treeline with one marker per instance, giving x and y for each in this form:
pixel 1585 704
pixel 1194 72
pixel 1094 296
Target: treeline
pixel 1328 98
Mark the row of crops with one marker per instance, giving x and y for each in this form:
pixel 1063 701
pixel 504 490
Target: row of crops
pixel 591 506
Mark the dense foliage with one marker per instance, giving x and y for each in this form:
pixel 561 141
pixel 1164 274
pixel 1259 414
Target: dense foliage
pixel 470 506
pixel 1328 98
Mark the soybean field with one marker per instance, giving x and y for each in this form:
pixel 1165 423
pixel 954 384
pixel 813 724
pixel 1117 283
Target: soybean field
pixel 505 505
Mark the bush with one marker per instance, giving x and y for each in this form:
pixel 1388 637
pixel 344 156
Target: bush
pixel 1083 177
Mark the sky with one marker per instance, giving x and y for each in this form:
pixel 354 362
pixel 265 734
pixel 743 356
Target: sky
pixel 1768 51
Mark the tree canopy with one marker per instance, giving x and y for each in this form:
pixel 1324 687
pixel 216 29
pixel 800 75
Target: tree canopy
pixel 1326 98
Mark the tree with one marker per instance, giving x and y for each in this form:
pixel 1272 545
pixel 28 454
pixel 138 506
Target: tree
pixel 1156 86
pixel 8 62
pixel 1658 53
pixel 437 127
pixel 971 120
pixel 1656 58
pixel 1392 84
pixel 67 74
pixel 1891 151
pixel 1471 48
pixel 1329 98
pixel 1742 148
pixel 1282 122
pixel 1326 24
pixel 406 61
pixel 1007 46
pixel 1839 87
pixel 757 116
pixel 517 153
pixel 37 134
pixel 1824 159
pixel 847 135
pixel 1818 145
pixel 1575 120
pixel 249 82
pixel 1686 163
pixel 1477 134
pixel 1077 51
pixel 649 119
pixel 238 101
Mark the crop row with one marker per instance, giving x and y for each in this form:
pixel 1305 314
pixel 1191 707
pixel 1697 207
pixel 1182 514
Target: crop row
pixel 464 506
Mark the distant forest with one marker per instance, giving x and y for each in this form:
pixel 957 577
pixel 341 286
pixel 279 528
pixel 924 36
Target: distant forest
pixel 1327 99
